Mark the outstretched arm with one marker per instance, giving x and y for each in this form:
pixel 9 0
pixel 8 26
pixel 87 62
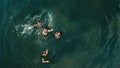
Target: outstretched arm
pixel 50 30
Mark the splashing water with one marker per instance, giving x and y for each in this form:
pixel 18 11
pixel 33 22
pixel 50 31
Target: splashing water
pixel 27 29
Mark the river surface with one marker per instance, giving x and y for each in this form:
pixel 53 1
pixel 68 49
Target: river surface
pixel 90 33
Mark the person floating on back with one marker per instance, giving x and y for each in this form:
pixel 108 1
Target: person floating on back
pixel 58 35
pixel 44 54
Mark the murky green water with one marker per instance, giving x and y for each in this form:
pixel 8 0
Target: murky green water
pixel 90 33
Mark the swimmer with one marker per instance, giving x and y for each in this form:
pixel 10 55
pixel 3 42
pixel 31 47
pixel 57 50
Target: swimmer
pixel 44 54
pixel 58 35
pixel 38 24
pixel 45 31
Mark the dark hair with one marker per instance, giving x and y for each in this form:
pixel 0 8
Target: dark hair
pixel 60 32
pixel 38 21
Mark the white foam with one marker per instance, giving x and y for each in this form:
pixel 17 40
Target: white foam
pixel 27 28
pixel 50 19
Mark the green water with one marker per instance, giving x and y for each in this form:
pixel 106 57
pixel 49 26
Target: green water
pixel 90 33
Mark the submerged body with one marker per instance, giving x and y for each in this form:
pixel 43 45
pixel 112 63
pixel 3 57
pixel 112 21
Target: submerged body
pixel 39 24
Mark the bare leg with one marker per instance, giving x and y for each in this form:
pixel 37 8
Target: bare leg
pixel 45 61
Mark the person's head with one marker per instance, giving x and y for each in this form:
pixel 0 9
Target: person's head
pixel 59 33
pixel 46 49
pixel 38 21
pixel 45 30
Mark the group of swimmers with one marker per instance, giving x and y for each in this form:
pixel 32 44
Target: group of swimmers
pixel 45 32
